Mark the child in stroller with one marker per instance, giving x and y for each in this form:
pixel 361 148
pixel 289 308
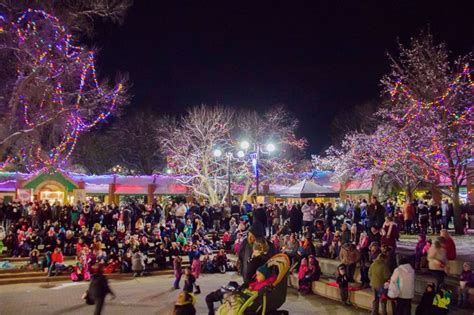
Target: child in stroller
pixel 265 293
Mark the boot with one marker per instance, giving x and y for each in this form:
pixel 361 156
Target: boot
pixel 198 290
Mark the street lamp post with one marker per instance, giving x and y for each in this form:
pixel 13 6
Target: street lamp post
pixel 270 147
pixel 229 156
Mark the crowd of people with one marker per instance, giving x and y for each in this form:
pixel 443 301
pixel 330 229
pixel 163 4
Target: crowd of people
pixel 138 238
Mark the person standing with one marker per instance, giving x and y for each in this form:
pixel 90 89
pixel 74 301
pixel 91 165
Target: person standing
pixel 408 215
pixel 379 273
pixel 444 213
pixel 99 288
pixel 402 287
pixel 437 261
pixel 343 283
pixel 308 215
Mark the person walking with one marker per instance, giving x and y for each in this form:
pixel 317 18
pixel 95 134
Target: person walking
pixel 379 273
pixel 402 287
pixel 98 289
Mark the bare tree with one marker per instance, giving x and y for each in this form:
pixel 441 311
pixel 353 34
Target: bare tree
pixel 188 142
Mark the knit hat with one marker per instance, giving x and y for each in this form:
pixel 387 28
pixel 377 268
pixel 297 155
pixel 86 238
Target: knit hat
pixel 184 298
pixel 466 264
pixel 264 270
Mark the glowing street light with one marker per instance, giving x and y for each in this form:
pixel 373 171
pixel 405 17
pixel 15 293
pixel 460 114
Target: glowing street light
pixel 217 153
pixel 245 145
pixel 169 171
pixel 270 147
pixel 240 154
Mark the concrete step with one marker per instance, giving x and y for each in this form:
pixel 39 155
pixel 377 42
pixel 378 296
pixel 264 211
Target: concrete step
pixel 67 278
pixel 25 274
pixel 361 298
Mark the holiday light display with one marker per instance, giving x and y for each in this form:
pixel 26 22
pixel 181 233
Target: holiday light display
pixel 69 71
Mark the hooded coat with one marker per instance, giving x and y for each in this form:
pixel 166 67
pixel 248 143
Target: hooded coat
pixel 403 278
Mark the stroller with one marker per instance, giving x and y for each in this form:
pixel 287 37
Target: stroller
pixel 265 301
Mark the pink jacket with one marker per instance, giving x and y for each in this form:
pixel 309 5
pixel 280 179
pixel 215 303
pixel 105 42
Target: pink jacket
pixel 196 268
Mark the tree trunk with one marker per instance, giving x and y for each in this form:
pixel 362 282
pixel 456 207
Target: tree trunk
pixel 408 195
pixel 457 215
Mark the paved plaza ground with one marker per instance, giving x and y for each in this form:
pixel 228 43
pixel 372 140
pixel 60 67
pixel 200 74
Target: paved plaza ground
pixel 148 295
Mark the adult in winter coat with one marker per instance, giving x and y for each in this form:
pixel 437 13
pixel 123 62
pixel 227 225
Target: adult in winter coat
pixel 437 261
pixel 308 214
pixel 256 231
pixel 402 287
pixel 448 245
pixel 260 215
pixel 375 213
pixel 379 273
pixel 98 289
pixel 389 233
pixel 408 216
pixel 349 256
pixel 295 219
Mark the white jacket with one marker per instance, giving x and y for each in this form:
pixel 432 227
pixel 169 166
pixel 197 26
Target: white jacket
pixel 307 213
pixel 402 282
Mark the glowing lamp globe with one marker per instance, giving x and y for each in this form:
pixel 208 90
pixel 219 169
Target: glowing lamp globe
pixel 270 147
pixel 245 145
pixel 217 153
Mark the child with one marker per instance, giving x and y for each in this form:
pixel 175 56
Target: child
pixel 302 283
pixel 196 270
pixel 178 271
pixel 419 250
pixel 189 280
pixel 185 304
pixel 263 277
pixel 309 271
pixel 426 303
pixel 441 301
pixel 33 264
pixel 335 245
pixel 466 282
pixel 424 254
pixel 343 283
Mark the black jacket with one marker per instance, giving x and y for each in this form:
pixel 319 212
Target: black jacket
pixel 99 286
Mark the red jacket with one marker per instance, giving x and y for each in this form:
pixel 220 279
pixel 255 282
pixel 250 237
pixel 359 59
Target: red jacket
pixel 450 248
pixel 57 258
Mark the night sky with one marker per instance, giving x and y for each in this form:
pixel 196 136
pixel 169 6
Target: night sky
pixel 317 58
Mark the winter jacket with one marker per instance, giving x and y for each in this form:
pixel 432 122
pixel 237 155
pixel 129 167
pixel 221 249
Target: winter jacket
pixel 196 267
pixel 307 213
pixel 348 257
pixel 379 273
pixel 450 248
pixel 403 278
pixel 57 258
pixel 442 301
pixel 437 259
pixel 99 286
pixel 138 262
pixel 468 277
pixel 408 212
